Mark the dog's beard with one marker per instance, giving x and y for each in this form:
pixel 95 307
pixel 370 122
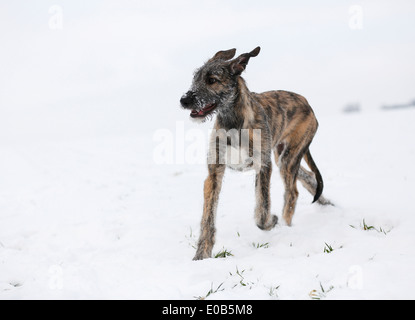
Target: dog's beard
pixel 222 105
pixel 204 110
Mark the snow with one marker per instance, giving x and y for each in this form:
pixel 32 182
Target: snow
pixel 96 218
pixel 91 207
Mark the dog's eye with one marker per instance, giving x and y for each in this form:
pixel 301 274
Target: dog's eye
pixel 212 80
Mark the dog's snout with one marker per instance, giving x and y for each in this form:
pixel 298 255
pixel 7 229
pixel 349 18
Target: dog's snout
pixel 187 99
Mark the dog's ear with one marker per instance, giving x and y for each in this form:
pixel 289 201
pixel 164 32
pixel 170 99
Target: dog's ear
pixel 239 64
pixel 224 55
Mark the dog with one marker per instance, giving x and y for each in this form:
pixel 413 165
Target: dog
pixel 281 122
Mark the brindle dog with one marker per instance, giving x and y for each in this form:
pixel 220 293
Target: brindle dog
pixel 287 126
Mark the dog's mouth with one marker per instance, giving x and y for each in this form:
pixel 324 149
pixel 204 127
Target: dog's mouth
pixel 203 112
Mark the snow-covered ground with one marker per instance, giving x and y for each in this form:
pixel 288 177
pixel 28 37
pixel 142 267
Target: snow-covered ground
pixel 99 218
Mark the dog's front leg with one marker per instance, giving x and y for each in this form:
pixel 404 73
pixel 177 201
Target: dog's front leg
pixel 263 217
pixel 212 187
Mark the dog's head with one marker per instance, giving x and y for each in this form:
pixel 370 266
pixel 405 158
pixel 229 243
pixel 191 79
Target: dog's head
pixel 214 87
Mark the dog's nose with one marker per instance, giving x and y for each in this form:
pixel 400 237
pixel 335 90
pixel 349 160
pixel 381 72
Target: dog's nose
pixel 186 100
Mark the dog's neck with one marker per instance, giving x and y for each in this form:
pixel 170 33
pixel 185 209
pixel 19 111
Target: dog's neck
pixel 240 111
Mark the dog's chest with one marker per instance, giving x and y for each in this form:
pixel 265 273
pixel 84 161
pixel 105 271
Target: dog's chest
pixel 237 158
pixel 238 155
pixel 237 149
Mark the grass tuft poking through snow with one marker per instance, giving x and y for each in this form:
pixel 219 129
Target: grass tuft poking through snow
pixel 224 253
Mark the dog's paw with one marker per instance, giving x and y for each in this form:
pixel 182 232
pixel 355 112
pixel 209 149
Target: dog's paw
pixel 325 202
pixel 271 223
pixel 202 254
pixel 274 221
pixel 198 257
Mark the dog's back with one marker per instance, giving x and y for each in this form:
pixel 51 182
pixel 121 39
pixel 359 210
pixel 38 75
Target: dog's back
pixel 284 108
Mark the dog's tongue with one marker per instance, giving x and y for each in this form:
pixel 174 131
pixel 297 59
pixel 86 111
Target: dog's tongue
pixel 196 113
pixel 203 112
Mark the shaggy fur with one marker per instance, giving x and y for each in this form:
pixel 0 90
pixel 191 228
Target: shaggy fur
pixel 281 122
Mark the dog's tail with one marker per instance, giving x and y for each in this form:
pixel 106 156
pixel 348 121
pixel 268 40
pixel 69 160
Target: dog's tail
pixel 319 178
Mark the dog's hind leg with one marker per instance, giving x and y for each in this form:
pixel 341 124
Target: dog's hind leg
pixel 309 182
pixel 288 172
pixel 289 177
pixel 263 217
pixel 288 155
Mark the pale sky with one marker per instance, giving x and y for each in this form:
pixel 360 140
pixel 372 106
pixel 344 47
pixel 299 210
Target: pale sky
pixel 141 54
